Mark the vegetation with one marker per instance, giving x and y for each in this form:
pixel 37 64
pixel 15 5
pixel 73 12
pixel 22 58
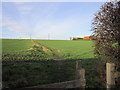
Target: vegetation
pixel 27 74
pixel 106 33
pixel 42 57
pixel 80 49
pixel 16 46
pixel 24 49
pixel 46 49
pixel 77 38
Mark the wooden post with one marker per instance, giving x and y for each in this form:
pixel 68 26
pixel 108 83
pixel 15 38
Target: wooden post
pixel 80 74
pixel 82 78
pixel 110 70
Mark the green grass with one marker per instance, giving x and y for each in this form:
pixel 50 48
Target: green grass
pixel 76 49
pixel 67 49
pixel 16 46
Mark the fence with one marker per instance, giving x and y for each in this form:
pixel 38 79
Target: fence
pixel 111 75
pixel 61 73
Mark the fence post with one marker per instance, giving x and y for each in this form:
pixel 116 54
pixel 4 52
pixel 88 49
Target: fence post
pixel 82 78
pixel 80 74
pixel 110 70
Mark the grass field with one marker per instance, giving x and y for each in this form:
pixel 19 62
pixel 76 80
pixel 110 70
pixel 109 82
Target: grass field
pixel 75 49
pixel 66 49
pixel 16 46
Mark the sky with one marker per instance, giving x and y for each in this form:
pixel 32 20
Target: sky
pixel 48 20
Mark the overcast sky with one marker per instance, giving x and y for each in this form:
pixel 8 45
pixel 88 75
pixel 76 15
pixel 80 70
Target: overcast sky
pixel 60 20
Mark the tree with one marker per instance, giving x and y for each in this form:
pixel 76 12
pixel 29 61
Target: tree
pixel 106 35
pixel 106 32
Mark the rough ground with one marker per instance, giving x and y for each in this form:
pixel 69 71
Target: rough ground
pixel 46 49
